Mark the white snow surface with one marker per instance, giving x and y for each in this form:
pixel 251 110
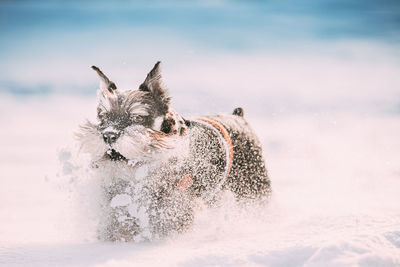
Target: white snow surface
pixel 120 200
pixel 335 178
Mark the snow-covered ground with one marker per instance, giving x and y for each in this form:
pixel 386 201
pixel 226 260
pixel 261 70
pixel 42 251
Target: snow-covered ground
pixel 330 130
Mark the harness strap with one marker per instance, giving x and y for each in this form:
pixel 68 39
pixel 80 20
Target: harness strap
pixel 223 134
pixel 185 182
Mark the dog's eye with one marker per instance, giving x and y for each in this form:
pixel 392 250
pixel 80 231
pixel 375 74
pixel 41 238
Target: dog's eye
pixel 137 119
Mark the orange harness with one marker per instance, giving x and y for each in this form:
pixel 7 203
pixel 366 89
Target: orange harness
pixel 221 131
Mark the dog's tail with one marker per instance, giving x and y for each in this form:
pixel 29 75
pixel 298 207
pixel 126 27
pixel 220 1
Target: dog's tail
pixel 238 112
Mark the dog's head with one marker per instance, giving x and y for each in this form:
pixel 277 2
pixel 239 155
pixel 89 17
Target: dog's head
pixel 131 124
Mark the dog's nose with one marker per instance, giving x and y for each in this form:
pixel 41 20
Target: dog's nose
pixel 110 137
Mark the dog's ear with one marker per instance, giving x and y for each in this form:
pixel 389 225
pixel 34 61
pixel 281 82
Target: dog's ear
pixel 106 85
pixel 153 84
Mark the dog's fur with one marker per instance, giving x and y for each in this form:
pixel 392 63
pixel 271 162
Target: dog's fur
pixel 141 149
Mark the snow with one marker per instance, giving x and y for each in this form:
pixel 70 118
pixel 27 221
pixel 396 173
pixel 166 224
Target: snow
pixel 120 200
pixel 335 177
pixel 139 213
pixel 141 172
pixel 111 130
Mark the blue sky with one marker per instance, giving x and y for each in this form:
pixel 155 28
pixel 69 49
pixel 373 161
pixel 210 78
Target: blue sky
pixel 47 46
pixel 214 24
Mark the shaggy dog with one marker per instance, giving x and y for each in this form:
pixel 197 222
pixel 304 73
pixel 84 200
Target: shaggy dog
pixel 155 166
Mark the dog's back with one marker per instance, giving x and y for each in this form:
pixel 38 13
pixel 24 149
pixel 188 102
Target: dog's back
pixel 237 165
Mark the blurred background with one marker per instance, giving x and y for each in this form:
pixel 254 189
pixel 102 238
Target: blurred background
pixel 319 82
pixel 282 56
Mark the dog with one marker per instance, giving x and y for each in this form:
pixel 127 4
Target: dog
pixel 156 166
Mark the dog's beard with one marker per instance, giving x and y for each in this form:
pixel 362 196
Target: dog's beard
pixel 135 143
pixel 139 142
pixel 91 140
